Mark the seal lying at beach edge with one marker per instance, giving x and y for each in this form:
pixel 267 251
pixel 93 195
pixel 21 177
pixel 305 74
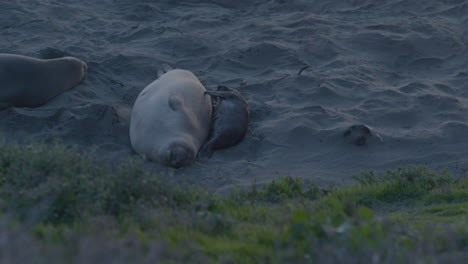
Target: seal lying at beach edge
pixel 31 82
pixel 171 119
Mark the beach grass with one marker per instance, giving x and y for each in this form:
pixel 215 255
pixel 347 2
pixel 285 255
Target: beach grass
pixel 57 204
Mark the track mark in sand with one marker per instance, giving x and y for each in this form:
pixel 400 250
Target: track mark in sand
pixel 302 69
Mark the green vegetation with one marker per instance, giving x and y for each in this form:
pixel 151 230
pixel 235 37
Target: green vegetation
pixel 57 205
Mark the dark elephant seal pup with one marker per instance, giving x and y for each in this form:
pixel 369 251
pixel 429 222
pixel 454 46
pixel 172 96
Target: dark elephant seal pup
pixel 229 122
pixel 171 119
pixel 30 82
pixel 361 134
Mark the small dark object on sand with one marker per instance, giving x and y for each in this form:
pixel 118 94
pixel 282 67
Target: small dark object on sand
pixel 302 69
pixel 229 121
pixel 360 134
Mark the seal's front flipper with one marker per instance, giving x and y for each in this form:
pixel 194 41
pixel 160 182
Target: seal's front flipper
pixel 123 114
pixel 176 103
pixel 166 67
pixel 163 69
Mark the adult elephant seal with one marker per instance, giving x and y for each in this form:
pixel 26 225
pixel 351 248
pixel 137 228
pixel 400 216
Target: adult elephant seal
pixel 171 119
pixel 229 122
pixel 30 82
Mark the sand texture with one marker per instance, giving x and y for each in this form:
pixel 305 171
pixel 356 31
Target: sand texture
pixel 399 67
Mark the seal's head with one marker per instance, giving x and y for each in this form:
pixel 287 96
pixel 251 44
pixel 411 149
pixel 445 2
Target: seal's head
pixel 80 66
pixel 179 155
pixel 70 71
pixel 224 93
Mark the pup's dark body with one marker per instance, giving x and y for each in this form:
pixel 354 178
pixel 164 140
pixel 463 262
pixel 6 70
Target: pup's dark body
pixel 229 121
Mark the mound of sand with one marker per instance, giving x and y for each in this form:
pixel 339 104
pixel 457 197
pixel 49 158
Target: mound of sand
pixel 400 67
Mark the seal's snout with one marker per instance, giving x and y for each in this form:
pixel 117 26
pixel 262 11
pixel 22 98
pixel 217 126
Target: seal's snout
pixel 181 156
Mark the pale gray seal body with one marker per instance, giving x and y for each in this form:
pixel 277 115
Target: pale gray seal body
pixel 171 119
pixel 229 122
pixel 30 82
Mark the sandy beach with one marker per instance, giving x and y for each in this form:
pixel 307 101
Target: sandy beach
pixel 399 67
